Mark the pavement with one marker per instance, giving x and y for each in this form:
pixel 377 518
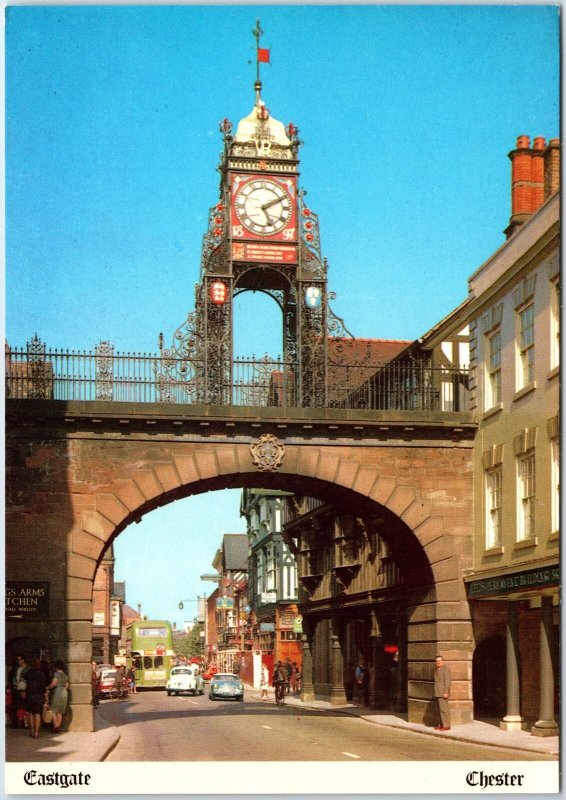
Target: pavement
pixel 72 746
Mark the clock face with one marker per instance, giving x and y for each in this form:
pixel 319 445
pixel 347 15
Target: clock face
pixel 263 206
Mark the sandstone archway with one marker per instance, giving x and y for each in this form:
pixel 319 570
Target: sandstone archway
pixel 75 480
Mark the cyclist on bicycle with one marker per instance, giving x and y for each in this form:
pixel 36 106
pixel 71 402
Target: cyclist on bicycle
pixel 279 682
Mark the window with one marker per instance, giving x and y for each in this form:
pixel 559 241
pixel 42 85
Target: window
pixel 493 387
pixel 289 570
pixel 526 465
pixel 289 636
pixel 555 485
pixel 494 507
pixel 554 324
pixel 259 572
pixel 270 583
pixel 526 346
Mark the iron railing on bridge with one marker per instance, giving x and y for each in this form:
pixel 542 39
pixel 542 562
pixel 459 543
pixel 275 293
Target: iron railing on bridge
pixel 34 372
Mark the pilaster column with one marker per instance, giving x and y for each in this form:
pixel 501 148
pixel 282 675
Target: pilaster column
pixel 513 719
pixel 401 677
pixel 337 691
pixel 307 691
pixel 377 687
pixel 546 724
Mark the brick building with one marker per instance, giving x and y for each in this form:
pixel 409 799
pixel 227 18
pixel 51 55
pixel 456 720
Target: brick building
pixel 512 314
pixel 107 612
pixel 227 630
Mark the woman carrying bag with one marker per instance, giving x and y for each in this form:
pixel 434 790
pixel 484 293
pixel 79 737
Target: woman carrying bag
pixel 59 698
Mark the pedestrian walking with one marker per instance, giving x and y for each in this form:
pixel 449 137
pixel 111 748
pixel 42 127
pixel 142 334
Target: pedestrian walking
pixel 18 686
pixel 94 683
pixel 119 679
pixel 288 668
pixel 36 696
pixel 294 678
pixel 349 677
pixel 264 681
pixel 131 678
pixel 442 681
pixel 59 698
pixel 361 677
pixel 394 680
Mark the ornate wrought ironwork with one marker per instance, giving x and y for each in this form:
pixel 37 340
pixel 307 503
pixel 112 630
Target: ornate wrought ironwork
pixel 263 382
pixel 267 453
pixel 38 372
pixel 214 254
pixel 179 373
pixel 311 260
pixel 104 370
pixel 217 339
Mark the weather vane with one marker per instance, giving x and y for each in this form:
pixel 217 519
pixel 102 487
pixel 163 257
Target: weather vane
pixel 262 53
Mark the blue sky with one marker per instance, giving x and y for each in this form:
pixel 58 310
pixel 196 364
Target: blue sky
pixel 407 114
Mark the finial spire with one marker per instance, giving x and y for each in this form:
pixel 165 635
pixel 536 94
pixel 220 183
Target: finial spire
pixel 262 56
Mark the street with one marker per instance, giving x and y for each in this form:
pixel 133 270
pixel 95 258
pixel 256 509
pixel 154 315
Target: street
pixel 154 727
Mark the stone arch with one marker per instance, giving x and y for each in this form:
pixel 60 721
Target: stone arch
pixel 140 476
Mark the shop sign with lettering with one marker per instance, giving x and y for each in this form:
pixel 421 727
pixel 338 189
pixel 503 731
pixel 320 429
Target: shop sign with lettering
pixel 516 581
pixel 27 600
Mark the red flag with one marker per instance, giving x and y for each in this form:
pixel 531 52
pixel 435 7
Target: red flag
pixel 263 55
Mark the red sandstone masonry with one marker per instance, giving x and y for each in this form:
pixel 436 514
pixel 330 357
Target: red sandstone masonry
pixel 167 476
pixel 328 467
pixel 110 481
pixel 227 460
pixel 346 473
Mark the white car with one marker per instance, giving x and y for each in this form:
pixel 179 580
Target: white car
pixel 185 678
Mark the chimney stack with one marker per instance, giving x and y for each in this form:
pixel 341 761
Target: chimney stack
pixel 552 168
pixel 535 176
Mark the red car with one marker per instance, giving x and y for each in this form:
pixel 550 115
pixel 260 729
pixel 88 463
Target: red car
pixel 106 682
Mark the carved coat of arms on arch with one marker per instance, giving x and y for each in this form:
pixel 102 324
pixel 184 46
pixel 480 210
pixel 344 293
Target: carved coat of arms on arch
pixel 267 453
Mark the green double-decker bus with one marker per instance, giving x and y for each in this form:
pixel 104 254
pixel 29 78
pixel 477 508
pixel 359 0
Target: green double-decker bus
pixel 149 649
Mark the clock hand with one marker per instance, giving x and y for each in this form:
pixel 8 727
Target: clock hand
pixel 270 203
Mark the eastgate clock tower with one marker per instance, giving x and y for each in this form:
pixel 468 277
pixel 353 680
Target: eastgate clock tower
pixel 261 237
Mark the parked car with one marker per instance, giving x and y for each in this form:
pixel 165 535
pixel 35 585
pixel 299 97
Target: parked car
pixel 210 672
pixel 106 684
pixel 225 685
pixel 185 678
